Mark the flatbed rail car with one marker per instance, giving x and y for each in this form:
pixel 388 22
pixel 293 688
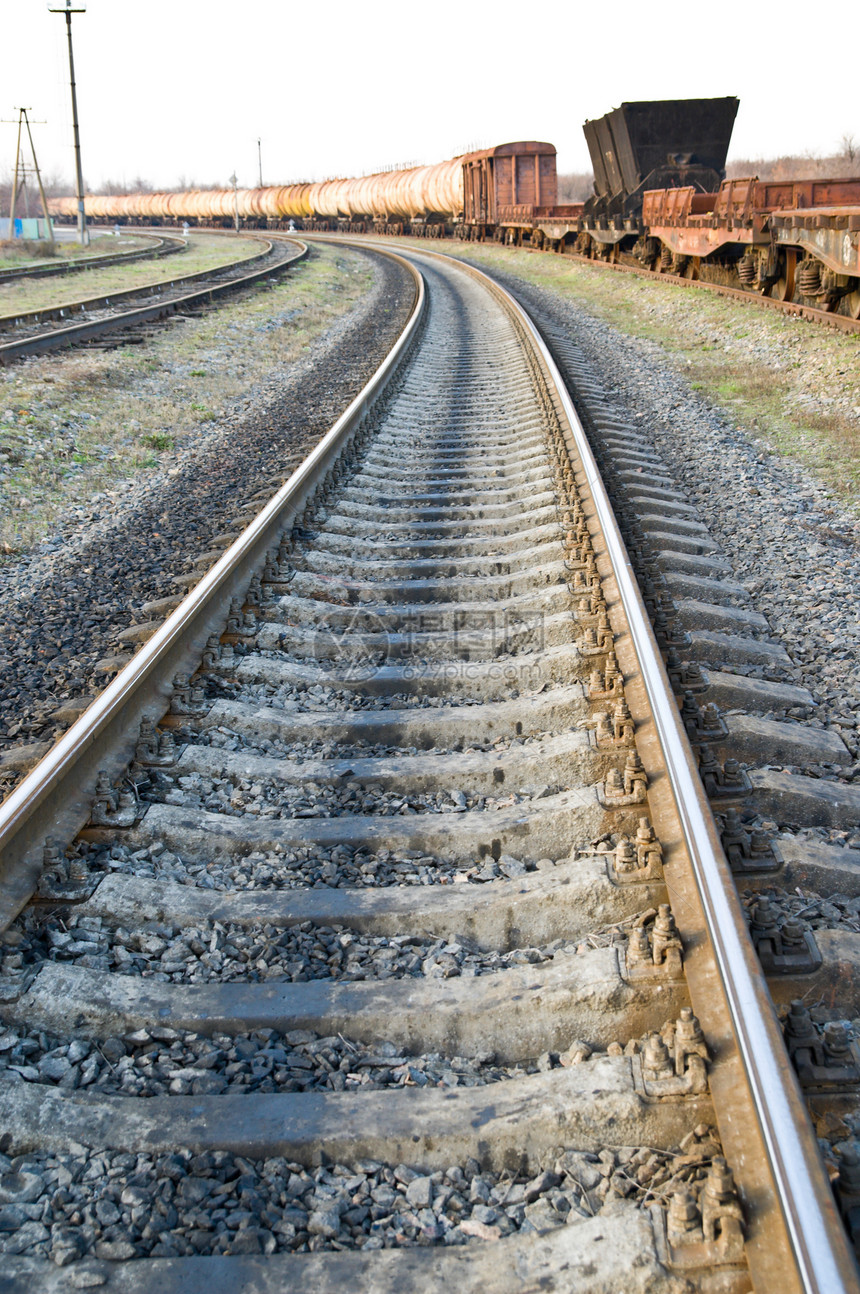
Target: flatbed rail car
pixel 786 239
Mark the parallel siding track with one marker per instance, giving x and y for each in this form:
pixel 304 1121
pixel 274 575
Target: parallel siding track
pixel 161 246
pixel 161 300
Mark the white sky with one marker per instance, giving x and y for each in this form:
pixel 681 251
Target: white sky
pixel 178 91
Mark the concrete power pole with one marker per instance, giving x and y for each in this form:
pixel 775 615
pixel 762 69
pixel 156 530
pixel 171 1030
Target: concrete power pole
pixel 234 182
pixel 83 232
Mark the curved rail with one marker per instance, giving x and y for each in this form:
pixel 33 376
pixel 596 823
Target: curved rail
pixel 55 796
pixel 102 300
pixel 165 245
pixel 826 317
pixel 796 1212
pixel 823 1260
pixel 73 333
pixel 796 1242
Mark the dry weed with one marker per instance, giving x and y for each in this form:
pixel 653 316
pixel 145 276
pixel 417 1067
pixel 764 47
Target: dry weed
pixel 206 252
pixel 74 425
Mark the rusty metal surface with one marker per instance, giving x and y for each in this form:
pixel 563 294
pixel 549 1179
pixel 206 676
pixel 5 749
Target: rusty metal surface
pixel 688 240
pixel 841 322
pixel 821 217
pixel 797 194
pixel 639 136
pixel 825 235
pixel 663 143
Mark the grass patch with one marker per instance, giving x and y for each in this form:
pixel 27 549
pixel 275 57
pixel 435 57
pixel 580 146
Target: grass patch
pixel 205 252
pixel 159 440
pixel 791 384
pixel 21 253
pixel 76 424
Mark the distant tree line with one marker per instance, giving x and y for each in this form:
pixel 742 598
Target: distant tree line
pixel 575 187
pixel 801 166
pixel 57 186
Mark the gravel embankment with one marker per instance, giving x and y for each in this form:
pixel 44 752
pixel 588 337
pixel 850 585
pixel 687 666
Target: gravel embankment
pixel 274 799
pixel 300 868
pixel 64 604
pixel 168 1062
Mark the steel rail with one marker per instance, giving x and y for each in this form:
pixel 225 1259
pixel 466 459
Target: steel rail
pixel 828 318
pixel 60 337
pixel 797 1197
pixel 102 299
pixel 165 245
pixel 815 1240
pixel 54 798
pixel 819 1245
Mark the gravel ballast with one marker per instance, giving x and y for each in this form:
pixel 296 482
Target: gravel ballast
pixel 120 1206
pixel 65 604
pixel 788 540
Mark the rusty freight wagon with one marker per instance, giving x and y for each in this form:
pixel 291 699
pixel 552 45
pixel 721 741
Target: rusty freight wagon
pixel 662 144
pixel 790 239
pixel 504 186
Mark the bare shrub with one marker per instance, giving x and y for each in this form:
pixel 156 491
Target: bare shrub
pixel 805 166
pixel 575 187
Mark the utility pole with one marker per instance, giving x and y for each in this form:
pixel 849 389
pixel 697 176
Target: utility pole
pixel 15 183
pixel 49 227
pixel 20 165
pixel 260 163
pixel 234 181
pixel 83 232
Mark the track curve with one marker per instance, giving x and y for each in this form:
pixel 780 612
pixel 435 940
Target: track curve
pixel 170 296
pixel 441 683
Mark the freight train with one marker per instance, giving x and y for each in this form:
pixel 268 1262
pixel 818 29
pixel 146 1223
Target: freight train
pixel 660 200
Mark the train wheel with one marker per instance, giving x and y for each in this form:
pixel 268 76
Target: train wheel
pixel 852 301
pixel 783 288
pixel 691 269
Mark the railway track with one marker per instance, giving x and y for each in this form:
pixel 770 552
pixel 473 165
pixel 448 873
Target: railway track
pixel 109 315
pixel 828 318
pixel 419 818
pixel 164 245
pixel 813 314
